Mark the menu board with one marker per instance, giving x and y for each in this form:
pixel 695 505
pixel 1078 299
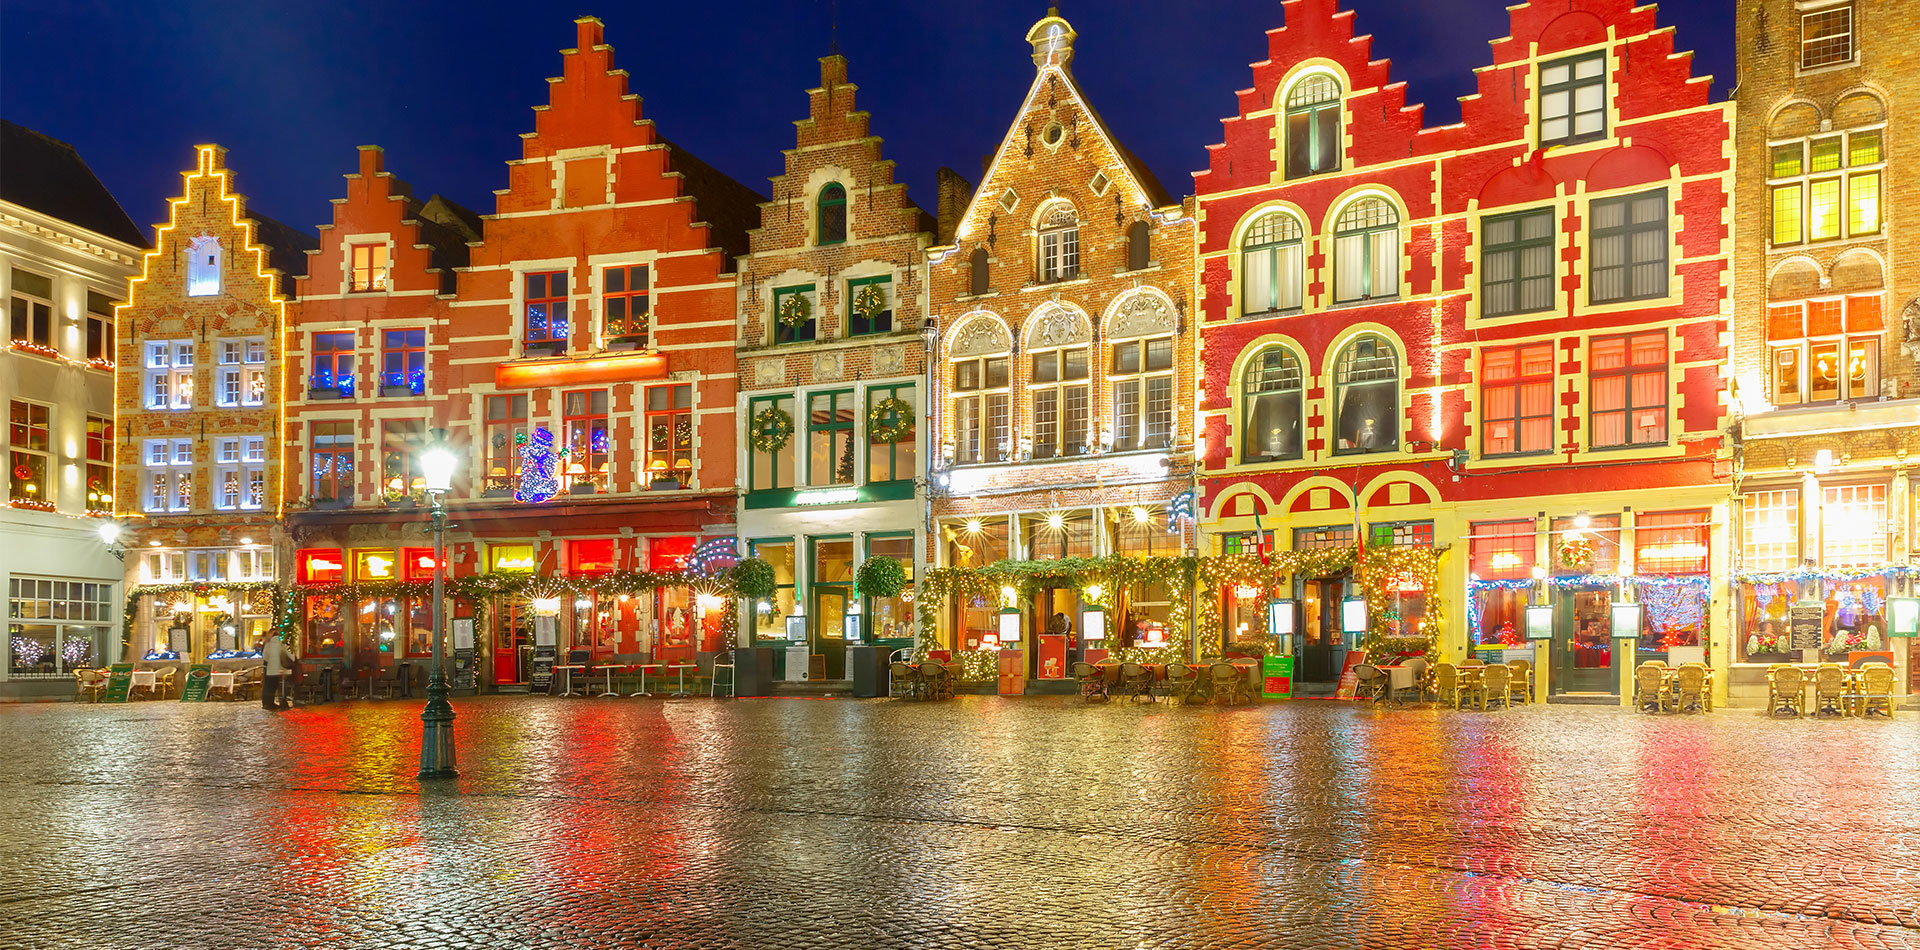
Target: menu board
pixel 119 682
pixel 1806 620
pixel 199 677
pixel 1276 677
pixel 462 669
pixel 1349 675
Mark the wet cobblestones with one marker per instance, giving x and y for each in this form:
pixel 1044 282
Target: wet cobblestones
pixel 977 823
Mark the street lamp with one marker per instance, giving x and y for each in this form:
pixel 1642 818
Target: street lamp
pixel 436 721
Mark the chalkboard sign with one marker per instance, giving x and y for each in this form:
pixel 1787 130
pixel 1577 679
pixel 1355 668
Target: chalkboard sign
pixel 1806 620
pixel 543 657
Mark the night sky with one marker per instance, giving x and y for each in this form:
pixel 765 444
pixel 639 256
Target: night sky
pixel 446 87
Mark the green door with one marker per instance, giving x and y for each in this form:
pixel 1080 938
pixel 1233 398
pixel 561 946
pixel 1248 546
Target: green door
pixel 1584 660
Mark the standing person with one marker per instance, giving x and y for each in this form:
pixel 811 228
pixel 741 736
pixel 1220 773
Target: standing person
pixel 279 665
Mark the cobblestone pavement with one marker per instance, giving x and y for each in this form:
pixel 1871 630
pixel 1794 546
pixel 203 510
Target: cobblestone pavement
pixel 977 823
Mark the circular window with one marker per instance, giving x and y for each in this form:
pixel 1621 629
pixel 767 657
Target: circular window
pixel 1053 133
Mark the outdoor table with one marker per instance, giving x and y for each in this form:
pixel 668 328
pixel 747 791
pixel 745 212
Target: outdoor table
pixel 143 679
pixel 610 667
pixel 644 667
pixel 1399 677
pixel 220 681
pixel 568 682
pixel 683 668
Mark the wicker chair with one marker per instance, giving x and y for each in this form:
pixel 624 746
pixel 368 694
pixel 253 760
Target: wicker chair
pixel 1876 691
pixel 1228 684
pixel 1179 683
pixel 90 685
pixel 163 681
pixel 1446 684
pixel 902 681
pixel 1136 681
pixel 1829 690
pixel 1690 689
pixel 1785 690
pixel 1519 681
pixel 1650 688
pixel 1494 681
pixel 1370 682
pixel 938 680
pixel 1093 683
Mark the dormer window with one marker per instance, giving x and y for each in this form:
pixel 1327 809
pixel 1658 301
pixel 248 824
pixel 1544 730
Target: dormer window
pixel 1313 126
pixel 1059 245
pixel 833 214
pixel 1573 99
pixel 369 268
pixel 203 266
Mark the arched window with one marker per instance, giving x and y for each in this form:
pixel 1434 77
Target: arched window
pixel 1057 389
pixel 1059 244
pixel 1313 126
pixel 1366 395
pixel 1270 407
pixel 1366 252
pixel 977 277
pixel 1139 251
pixel 1140 333
pixel 833 214
pixel 1271 265
pixel 979 361
pixel 203 266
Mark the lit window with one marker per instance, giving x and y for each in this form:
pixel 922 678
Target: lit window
pixel 1516 400
pixel 1770 530
pixel 99 464
pixel 1573 99
pixel 239 472
pixel 830 438
pixel 770 470
pixel 369 268
pixel 1059 245
pixel 893 460
pixel 670 434
pixel 29 434
pixel 100 335
pixel 506 424
pixel 333 371
pixel 1270 405
pixel 546 310
pixel 1366 384
pixel 1853 526
pixel 332 460
pixel 169 374
pixel 1313 126
pixel 403 362
pixel 1366 252
pixel 1824 188
pixel 203 266
pixel 584 426
pixel 167 469
pixel 1142 378
pixel 1057 393
pixel 32 310
pixel 1823 351
pixel 1272 265
pixel 980 403
pixel 624 304
pixel 1628 389
pixel 401 441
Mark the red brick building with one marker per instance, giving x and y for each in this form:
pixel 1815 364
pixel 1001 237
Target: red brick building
pixel 1504 334
pixel 588 334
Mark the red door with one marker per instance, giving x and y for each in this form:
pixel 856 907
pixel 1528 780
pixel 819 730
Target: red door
pixel 513 638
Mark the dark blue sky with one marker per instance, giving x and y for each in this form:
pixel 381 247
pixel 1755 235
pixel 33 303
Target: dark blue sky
pixel 446 86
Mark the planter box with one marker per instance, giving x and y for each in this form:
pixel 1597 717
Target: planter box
pixel 626 346
pixel 329 504
pixel 583 488
pixel 544 349
pixel 664 484
pixel 389 391
pixel 497 493
pixel 400 503
pixel 325 394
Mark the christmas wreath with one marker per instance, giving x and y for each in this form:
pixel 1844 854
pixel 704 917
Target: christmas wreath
pixel 795 310
pixel 890 421
pixel 870 302
pixel 772 430
pixel 1576 552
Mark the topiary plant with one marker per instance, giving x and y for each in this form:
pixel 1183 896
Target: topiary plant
pixel 753 579
pixel 881 577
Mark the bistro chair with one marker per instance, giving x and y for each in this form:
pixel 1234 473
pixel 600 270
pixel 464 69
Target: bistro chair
pixel 1419 667
pixel 90 685
pixel 1228 683
pixel 1690 690
pixel 1706 684
pixel 1786 686
pixel 1519 681
pixel 902 681
pixel 1093 683
pixel 163 681
pixel 1829 690
pixel 1180 682
pixel 1446 684
pixel 1493 686
pixel 939 680
pixel 1136 681
pixel 722 661
pixel 312 683
pixel 1650 688
pixel 1370 682
pixel 1875 691
pixel 387 678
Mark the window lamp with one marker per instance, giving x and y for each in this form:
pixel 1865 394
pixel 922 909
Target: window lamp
pixel 1367 397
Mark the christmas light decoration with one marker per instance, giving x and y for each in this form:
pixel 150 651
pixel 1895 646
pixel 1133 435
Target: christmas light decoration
pixel 539 464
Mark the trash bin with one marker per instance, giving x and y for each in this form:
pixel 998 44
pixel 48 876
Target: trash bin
pixel 753 671
pixel 870 669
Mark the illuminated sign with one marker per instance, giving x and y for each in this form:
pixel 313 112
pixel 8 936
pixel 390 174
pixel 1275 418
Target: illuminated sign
pixel 510 557
pixel 1404 583
pixel 417 563
pixel 374 565
pixel 591 556
pixel 1505 560
pixel 827 496
pixel 1353 615
pixel 320 566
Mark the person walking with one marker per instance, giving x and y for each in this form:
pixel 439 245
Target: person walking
pixel 279 666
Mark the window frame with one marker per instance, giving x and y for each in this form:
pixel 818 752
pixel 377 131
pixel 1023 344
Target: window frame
pixel 1314 111
pixel 367 271
pixel 333 356
pixel 169 380
pixel 100 462
pixel 898 470
pixel 1517 249
pixel 834 429
pixel 1055 242
pixel 515 421
pixel 39 490
pixel 1629 408
pixel 1142 378
pixel 883 322
pixel 1061 388
pixel 1800 59
pixel 413 355
pixel 1518 382
pixel 679 458
pixel 832 195
pixel 1274 250
pixel 1250 396
pixel 1625 233
pixel 1571 86
pixel 32 313
pixel 1365 235
pixel 782 476
pixel 981 396
pixel 341 437
pixel 628 297
pixel 806 332
pixel 168 465
pixel 551 293
pixel 1342 387
pixel 586 412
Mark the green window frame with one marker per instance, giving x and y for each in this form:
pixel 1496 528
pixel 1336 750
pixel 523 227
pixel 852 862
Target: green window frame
pixel 830 430
pixel 770 471
pixel 782 333
pixel 832 215
pixel 892 461
pixel 1517 263
pixel 1627 248
pixel 1312 123
pixel 875 628
pixel 881 322
pixel 754 546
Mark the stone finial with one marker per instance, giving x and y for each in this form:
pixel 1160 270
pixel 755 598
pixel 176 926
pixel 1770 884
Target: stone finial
pixel 1052 39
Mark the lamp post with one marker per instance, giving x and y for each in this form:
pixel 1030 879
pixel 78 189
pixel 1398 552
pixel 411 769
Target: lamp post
pixel 436 721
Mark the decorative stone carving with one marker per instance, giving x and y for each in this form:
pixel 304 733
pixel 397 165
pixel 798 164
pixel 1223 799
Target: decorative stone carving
pixel 1054 325
pixel 889 361
pixel 980 336
pixel 769 372
pixel 827 366
pixel 1910 328
pixel 1141 313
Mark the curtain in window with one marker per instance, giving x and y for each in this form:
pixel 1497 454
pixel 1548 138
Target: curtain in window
pixel 1273 390
pixel 1384 255
pixel 1349 263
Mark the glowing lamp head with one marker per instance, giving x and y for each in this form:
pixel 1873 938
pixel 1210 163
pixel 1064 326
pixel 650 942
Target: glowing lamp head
pixel 1056 521
pixel 1539 573
pixel 436 468
pixel 109 532
pixel 1141 515
pixel 1582 520
pixel 973 526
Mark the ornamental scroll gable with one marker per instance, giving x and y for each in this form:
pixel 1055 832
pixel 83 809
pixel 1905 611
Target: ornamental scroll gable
pixel 981 336
pixel 1141 313
pixel 1056 325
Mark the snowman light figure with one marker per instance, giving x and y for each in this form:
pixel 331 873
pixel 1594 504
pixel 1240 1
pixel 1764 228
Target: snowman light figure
pixel 539 467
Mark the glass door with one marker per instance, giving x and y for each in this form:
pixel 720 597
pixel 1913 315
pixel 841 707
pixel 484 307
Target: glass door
pixel 1319 627
pixel 829 628
pixel 1583 654
pixel 513 640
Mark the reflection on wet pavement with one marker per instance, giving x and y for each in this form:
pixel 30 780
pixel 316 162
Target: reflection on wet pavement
pixel 979 823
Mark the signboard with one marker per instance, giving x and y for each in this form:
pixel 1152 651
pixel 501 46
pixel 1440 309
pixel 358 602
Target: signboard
pixel 463 634
pixel 1539 621
pixel 797 629
pixel 1013 672
pixel 1806 621
pixel 1349 679
pixel 1053 656
pixel 119 682
pixel 1276 677
pixel 199 677
pixel 542 666
pixel 177 640
pixel 463 670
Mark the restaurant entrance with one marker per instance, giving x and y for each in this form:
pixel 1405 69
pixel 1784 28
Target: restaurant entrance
pixel 829 628
pixel 1321 643
pixel 1584 660
pixel 513 640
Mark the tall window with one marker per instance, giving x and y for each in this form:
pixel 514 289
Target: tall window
pixel 1272 265
pixel 1573 99
pixel 1770 530
pixel 1516 263
pixel 1057 392
pixel 1853 525
pixel 869 305
pixel 506 422
pixel 1824 350
pixel 167 470
pixel 1271 403
pixel 1516 400
pixel 1826 37
pixel 401 441
pixel 830 438
pixel 584 422
pixel 833 214
pixel 980 410
pixel 770 470
pixel 978 278
pixel 894 459
pixel 203 266
pixel 1628 236
pixel 403 362
pixel 240 472
pixel 1366 252
pixel 546 310
pixel 100 336
pixel 240 376
pixel 1313 126
pixel 1628 389
pixel 1142 394
pixel 625 304
pixel 332 454
pixel 369 268
pixel 332 365
pixel 1366 383
pixel 169 373
pixel 794 319
pixel 670 433
pixel 99 464
pixel 1823 188
pixel 30 434
pixel 1059 244
pixel 32 310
